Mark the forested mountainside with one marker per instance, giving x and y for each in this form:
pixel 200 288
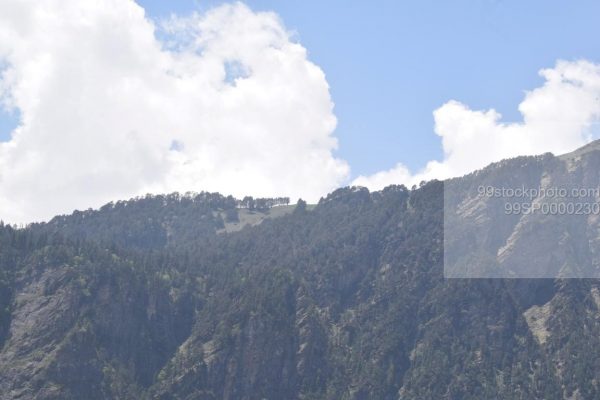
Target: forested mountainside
pixel 154 299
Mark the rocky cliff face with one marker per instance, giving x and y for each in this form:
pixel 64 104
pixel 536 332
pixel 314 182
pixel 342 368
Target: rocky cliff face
pixel 530 217
pixel 154 300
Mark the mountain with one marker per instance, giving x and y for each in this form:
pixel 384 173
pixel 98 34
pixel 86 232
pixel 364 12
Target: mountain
pixel 201 296
pixel 529 217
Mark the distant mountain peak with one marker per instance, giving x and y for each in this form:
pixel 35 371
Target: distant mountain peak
pixel 588 148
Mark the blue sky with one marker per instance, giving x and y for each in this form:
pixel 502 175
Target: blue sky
pixel 391 63
pixel 101 128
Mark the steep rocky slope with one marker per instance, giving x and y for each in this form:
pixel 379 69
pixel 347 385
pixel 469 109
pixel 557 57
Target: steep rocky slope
pixel 344 301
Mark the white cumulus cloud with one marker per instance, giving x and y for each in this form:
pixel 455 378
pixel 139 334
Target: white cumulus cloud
pixel 112 106
pixel 558 117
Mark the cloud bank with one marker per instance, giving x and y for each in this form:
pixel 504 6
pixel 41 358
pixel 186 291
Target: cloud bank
pixel 558 117
pixel 114 106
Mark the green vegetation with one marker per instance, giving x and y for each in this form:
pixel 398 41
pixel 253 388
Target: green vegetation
pixel 164 297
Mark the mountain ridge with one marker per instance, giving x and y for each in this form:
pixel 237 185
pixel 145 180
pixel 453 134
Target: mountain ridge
pixel 344 301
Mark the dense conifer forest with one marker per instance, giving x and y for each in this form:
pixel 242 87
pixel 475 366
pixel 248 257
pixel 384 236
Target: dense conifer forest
pixel 152 298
